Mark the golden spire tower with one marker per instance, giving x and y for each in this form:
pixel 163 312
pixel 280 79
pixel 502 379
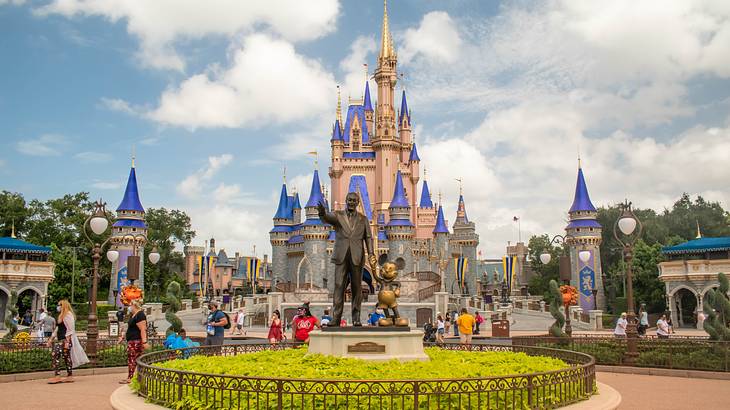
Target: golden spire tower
pixel 386 40
pixel 339 109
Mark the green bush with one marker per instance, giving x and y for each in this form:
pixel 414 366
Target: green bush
pixel 296 363
pixel 21 361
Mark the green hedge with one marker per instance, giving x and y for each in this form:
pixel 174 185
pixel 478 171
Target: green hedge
pixel 30 360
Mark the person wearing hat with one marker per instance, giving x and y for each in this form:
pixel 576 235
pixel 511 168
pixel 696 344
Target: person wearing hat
pixel 304 323
pixel 215 328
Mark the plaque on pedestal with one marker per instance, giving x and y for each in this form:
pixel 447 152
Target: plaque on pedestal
pixel 378 344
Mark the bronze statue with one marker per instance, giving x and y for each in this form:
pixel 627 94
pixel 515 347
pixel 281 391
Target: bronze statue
pixel 389 291
pixel 351 231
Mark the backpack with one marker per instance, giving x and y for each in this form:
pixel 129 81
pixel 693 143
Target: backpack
pixel 228 321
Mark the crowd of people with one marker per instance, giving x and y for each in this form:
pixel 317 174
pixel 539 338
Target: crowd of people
pixel 664 325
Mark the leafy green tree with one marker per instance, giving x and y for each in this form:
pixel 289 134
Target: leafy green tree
pixel 539 283
pixel 684 216
pixel 13 210
pixel 169 230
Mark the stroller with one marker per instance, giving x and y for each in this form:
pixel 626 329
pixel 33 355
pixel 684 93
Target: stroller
pixel 429 333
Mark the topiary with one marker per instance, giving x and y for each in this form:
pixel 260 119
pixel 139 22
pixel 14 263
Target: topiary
pixel 174 294
pixel 717 310
pixel 10 314
pixel 556 302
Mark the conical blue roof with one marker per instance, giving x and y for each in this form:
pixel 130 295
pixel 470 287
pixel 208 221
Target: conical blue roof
pixel 315 195
pixel 461 211
pixel 581 202
pixel 440 222
pixel 367 104
pixel 296 204
pixel 414 154
pixel 399 194
pixel 404 109
pixel 425 197
pixel 336 131
pixel 282 212
pixel 131 202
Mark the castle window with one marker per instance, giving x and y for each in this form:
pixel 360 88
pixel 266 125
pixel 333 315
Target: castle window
pixel 577 229
pixel 386 162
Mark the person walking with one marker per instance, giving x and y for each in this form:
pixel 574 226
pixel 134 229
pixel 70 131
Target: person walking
pixel 275 331
pixel 216 323
pixel 465 323
pixel 621 323
pixel 447 324
pixel 440 329
pixel 65 345
pixel 479 319
pixel 643 320
pixel 240 320
pixel 48 325
pixel 662 328
pixel 456 323
pixel 136 336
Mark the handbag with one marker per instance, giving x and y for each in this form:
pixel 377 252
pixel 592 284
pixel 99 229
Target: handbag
pixel 78 356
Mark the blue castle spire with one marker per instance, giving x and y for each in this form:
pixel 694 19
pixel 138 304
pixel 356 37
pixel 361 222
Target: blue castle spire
pixel 461 211
pixel 414 154
pixel 367 104
pixel 425 197
pixel 131 202
pixel 404 109
pixel 581 202
pixel 296 204
pixel 315 195
pixel 282 212
pixel 399 194
pixel 337 132
pixel 440 222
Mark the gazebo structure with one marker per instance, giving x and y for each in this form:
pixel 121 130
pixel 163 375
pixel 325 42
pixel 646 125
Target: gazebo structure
pixel 689 272
pixel 25 268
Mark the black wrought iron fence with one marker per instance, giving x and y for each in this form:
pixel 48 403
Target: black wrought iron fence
pixel 34 355
pixel 177 388
pixel 677 352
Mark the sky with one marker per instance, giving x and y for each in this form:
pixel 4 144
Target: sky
pixel 217 97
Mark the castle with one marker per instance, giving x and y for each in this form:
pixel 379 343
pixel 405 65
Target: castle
pixel 373 154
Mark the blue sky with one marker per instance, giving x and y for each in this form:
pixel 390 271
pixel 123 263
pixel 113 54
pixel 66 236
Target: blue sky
pixel 216 97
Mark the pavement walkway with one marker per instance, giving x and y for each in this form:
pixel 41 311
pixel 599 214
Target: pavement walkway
pixel 85 393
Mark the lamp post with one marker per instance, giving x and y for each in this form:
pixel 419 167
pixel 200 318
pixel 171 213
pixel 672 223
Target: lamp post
pixel 627 224
pixel 98 222
pixel 595 292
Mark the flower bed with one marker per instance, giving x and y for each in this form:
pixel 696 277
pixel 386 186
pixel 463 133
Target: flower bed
pixel 252 376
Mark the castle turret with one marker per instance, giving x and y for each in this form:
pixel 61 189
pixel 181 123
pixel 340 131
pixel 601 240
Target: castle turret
pixel 399 228
pixel 279 237
pixel 584 237
pixel 441 235
pixel 368 105
pixel 296 208
pixel 314 233
pixel 129 236
pixel 426 215
pixel 464 243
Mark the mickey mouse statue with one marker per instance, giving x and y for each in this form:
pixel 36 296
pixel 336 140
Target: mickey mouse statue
pixel 389 291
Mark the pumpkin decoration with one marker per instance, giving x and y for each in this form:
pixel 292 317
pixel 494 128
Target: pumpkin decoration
pixel 130 293
pixel 570 295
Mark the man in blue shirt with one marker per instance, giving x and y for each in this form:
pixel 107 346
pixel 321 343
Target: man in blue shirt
pixel 216 322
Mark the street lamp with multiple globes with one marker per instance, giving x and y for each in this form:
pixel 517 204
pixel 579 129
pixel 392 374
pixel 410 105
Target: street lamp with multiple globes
pixel 565 271
pixel 627 224
pixel 98 222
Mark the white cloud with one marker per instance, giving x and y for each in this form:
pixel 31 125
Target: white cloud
pixel 93 157
pixel 191 187
pixel 47 145
pixel 116 104
pixel 267 81
pixel 352 65
pixel 106 185
pixel 437 39
pixel 160 25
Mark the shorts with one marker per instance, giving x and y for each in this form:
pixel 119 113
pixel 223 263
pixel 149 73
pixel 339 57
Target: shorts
pixel 465 338
pixel 239 327
pixel 440 331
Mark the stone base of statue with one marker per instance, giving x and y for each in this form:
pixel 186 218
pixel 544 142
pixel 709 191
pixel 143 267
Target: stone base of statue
pixel 369 343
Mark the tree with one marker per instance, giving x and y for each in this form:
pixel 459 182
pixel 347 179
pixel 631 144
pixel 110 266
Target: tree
pixel 167 229
pixel 12 211
pixel 647 286
pixel 685 215
pixel 539 283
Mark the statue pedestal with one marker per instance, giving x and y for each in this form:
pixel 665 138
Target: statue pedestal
pixel 376 344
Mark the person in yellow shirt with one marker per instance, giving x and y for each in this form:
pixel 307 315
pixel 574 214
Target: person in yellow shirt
pixel 466 324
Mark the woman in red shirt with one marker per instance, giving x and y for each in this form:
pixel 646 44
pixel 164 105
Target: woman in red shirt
pixel 304 323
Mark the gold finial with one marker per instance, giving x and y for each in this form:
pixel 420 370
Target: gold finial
pixel 460 180
pixel 339 108
pixel 316 158
pixel 365 66
pixel 579 156
pixel 699 234
pixel 439 197
pixel 133 156
pixel 386 41
pixel 425 172
pixel 12 232
pixel 283 173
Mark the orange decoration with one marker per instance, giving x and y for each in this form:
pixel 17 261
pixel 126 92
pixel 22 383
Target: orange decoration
pixel 570 295
pixel 130 293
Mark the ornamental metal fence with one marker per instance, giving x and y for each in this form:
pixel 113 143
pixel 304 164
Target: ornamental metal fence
pixel 676 352
pixel 35 355
pixel 178 388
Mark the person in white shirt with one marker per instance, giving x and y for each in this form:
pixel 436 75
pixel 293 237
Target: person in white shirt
pixel 440 329
pixel 662 327
pixel 620 330
pixel 240 318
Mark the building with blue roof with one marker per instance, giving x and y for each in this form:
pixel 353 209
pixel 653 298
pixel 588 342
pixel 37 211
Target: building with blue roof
pixel 689 271
pixel 373 154
pixel 26 269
